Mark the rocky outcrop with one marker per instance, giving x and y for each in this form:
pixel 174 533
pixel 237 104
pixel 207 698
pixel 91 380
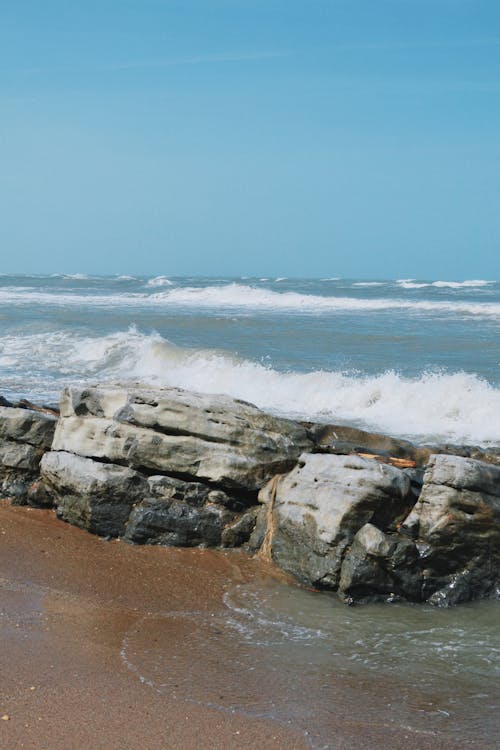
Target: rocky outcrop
pixel 456 525
pixel 187 514
pixel 317 509
pixel 345 440
pixel 347 523
pixel 380 566
pixel 115 501
pixel 215 439
pixel 362 514
pixel 25 435
pixel 95 496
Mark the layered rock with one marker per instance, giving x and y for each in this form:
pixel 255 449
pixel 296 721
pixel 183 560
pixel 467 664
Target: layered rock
pixel 347 523
pixel 97 497
pixel 188 514
pixel 359 513
pixel 315 511
pixel 25 435
pixel 215 439
pixel 344 439
pixel 116 501
pixel 456 524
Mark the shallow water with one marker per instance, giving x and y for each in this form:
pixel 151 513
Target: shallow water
pixel 306 659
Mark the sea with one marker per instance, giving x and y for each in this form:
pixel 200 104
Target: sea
pixel 416 358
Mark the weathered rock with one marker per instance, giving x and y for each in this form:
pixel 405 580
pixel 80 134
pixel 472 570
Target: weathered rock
pixel 456 525
pixel 487 455
pixel 344 440
pixel 25 426
pixel 177 524
pixel 380 566
pixel 24 435
pixel 164 466
pixel 21 456
pixel 315 511
pixel 193 436
pixel 181 514
pixel 239 531
pixel 95 496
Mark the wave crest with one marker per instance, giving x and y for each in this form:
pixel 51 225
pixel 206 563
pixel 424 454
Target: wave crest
pixel 469 284
pixel 457 407
pixel 242 297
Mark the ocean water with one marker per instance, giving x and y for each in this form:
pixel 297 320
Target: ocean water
pixel 415 358
pixel 428 675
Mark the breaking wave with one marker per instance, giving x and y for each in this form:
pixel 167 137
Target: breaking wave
pixel 469 284
pixel 236 297
pixel 457 407
pixel 159 281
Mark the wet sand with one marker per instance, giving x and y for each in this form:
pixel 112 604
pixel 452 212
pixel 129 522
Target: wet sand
pixel 78 617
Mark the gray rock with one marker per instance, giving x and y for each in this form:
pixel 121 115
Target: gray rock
pixel 187 514
pixel 343 440
pixel 21 456
pixel 193 436
pixel 178 524
pixel 315 511
pixel 239 531
pixel 26 426
pixel 380 566
pixel 24 435
pixel 456 525
pixel 95 496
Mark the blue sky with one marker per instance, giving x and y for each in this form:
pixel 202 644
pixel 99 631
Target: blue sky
pixel 217 137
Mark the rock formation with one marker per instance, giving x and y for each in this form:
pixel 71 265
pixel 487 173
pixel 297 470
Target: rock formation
pixel 216 439
pixel 363 514
pixel 24 437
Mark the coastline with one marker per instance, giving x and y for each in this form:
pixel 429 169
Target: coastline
pixel 68 600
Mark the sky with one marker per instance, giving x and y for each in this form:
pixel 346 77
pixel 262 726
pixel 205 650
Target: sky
pixel 355 138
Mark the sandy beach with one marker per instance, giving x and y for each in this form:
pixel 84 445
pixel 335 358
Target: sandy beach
pixel 78 618
pixel 67 599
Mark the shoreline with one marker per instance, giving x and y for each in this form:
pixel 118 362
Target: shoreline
pixel 68 600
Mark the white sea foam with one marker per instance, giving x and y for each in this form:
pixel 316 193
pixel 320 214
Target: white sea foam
pixel 241 297
pixel 369 283
pixel 435 406
pixel 469 284
pixel 159 281
pixel 76 276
